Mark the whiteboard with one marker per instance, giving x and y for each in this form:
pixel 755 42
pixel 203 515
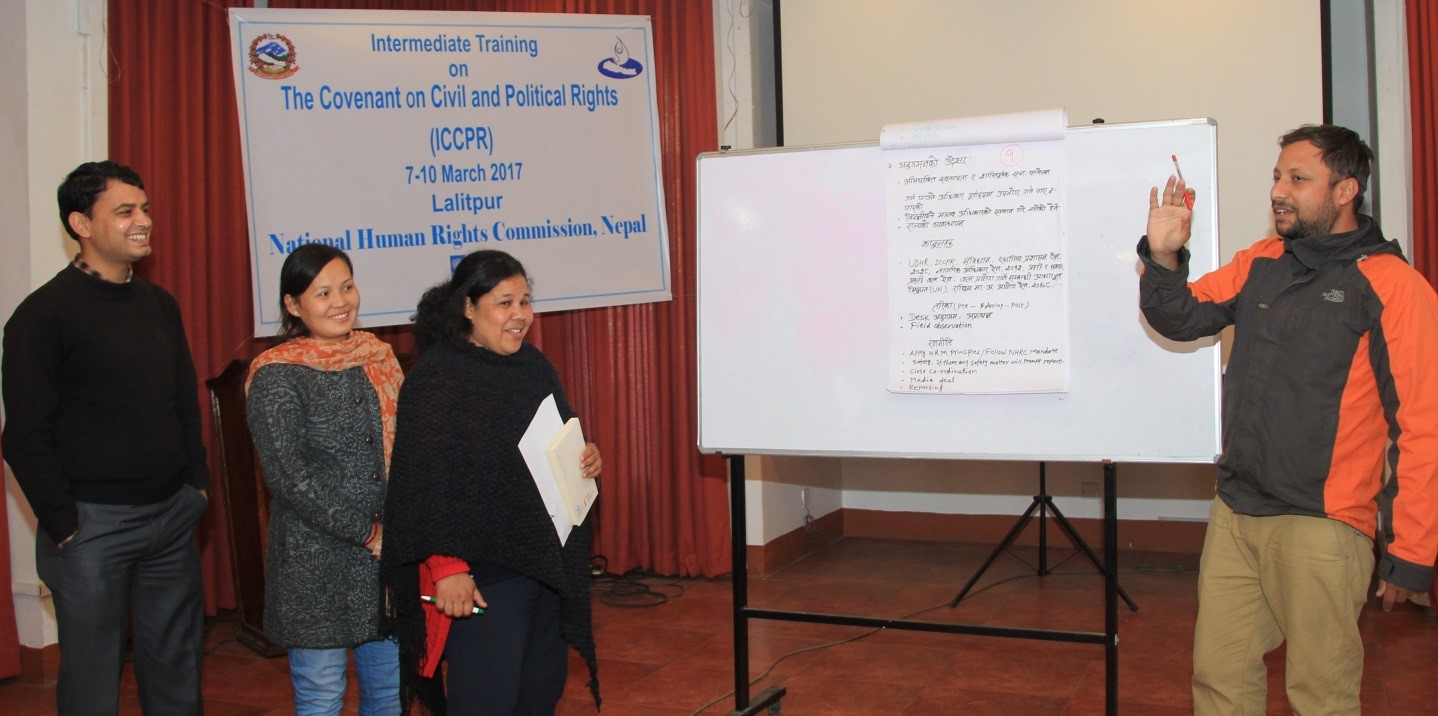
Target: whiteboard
pixel 792 302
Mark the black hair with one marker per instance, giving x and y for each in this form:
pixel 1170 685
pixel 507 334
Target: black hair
pixel 440 314
pixel 298 272
pixel 1344 153
pixel 85 184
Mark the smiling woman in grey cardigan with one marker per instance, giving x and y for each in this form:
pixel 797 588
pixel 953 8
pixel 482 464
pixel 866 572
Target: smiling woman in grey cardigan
pixel 321 410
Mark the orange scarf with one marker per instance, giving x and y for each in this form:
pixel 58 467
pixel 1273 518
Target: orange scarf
pixel 361 349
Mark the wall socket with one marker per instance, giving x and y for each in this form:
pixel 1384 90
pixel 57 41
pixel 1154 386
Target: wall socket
pixel 804 498
pixel 1088 489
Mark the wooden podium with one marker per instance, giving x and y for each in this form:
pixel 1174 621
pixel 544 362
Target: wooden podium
pixel 247 504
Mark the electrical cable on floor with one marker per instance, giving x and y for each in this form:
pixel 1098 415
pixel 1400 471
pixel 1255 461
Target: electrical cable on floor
pixel 1138 569
pixel 635 589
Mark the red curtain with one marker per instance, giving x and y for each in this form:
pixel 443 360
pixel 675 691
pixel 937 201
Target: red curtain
pixel 667 504
pixel 630 371
pixel 1423 97
pixel 173 118
pixel 9 635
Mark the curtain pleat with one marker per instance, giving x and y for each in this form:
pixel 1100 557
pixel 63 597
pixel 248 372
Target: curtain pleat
pixel 173 118
pixel 663 506
pixel 9 633
pixel 1422 21
pixel 630 371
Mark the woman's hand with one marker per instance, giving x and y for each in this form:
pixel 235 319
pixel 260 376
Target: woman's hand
pixel 376 540
pixel 457 596
pixel 590 462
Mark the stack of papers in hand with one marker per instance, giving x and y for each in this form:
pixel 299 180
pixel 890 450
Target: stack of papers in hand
pixel 552 449
pixel 564 453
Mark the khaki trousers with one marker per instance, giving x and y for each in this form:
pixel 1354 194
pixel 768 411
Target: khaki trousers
pixel 1264 580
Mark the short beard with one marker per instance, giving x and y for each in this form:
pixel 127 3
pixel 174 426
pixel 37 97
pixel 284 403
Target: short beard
pixel 1320 225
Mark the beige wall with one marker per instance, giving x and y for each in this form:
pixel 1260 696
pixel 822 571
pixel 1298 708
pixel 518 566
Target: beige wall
pixel 850 66
pixel 53 109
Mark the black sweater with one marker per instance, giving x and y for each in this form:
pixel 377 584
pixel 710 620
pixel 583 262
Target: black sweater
pixel 100 398
pixel 460 487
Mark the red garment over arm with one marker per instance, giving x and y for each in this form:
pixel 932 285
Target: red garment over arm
pixel 436 624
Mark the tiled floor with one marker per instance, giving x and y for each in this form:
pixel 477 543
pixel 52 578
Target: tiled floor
pixel 677 657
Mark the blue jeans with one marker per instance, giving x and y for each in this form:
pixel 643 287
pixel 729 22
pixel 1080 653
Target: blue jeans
pixel 318 676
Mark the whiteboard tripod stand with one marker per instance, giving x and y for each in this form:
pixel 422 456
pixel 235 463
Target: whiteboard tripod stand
pixel 1043 504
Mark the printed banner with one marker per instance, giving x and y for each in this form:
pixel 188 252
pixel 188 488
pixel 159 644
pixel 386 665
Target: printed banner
pixel 410 139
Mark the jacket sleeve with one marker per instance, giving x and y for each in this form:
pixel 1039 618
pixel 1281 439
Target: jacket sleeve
pixel 1405 339
pixel 276 414
pixel 1184 311
pixel 31 369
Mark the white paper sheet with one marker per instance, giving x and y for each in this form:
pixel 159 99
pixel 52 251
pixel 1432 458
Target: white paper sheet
pixel 534 446
pixel 977 268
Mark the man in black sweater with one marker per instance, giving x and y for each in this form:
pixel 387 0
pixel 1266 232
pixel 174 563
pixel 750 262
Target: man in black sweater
pixel 102 431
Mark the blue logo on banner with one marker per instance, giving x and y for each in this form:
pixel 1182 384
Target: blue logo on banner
pixel 272 56
pixel 621 66
pixel 454 262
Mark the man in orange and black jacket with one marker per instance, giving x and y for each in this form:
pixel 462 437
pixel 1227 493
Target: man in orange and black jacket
pixel 1331 329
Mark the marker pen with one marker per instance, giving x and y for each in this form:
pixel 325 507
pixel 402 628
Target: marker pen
pixel 427 598
pixel 1187 197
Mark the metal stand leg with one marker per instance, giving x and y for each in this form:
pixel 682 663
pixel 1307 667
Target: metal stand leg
pixel 769 698
pixel 1042 503
pixel 1110 586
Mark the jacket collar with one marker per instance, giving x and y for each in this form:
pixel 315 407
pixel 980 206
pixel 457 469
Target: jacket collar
pixel 1366 240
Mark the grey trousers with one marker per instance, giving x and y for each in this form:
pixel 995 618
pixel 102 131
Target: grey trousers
pixel 140 562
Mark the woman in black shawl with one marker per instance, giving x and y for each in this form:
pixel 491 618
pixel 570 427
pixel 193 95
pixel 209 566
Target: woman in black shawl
pixel 465 524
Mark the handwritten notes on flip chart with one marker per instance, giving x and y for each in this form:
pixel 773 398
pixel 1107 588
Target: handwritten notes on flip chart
pixel 977 272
